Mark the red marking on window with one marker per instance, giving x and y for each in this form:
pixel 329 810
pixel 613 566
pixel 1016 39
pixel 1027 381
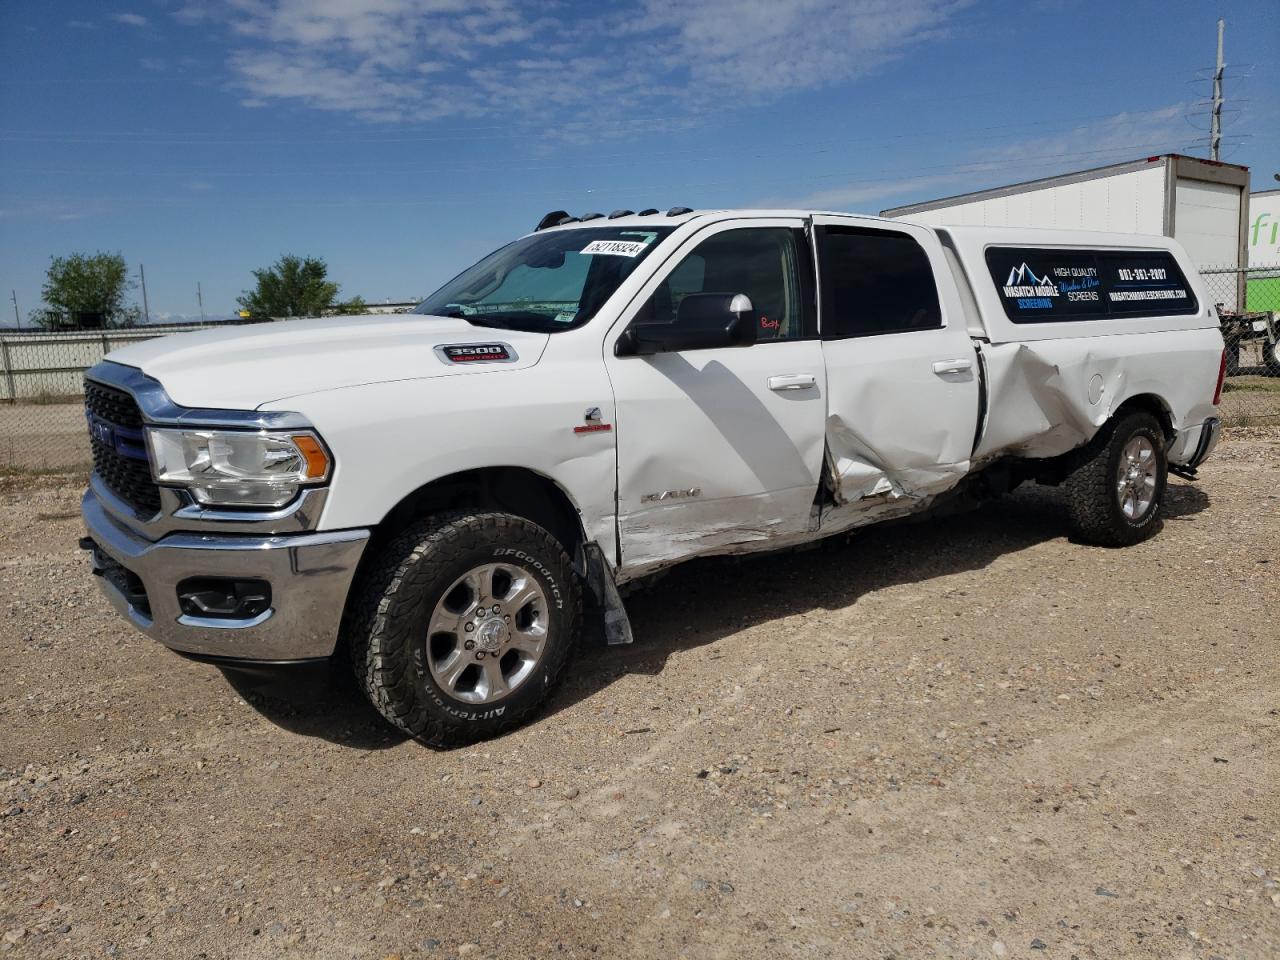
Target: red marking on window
pixel 594 428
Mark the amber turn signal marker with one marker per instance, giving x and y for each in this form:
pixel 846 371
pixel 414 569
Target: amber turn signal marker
pixel 317 459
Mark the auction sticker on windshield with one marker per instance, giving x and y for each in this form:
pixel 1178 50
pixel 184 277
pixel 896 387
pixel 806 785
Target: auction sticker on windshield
pixel 616 248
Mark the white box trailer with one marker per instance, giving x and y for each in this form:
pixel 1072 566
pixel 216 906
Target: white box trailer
pixel 1203 204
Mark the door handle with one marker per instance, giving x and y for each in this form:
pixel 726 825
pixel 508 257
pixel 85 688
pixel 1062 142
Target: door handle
pixel 960 365
pixel 793 381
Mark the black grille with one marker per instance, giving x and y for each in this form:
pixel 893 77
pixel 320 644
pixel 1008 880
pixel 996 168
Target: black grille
pixel 119 451
pixel 112 405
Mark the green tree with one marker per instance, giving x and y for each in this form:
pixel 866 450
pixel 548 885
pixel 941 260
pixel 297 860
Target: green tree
pixel 354 305
pixel 87 291
pixel 296 287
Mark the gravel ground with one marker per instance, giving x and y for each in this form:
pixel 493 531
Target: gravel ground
pixel 968 737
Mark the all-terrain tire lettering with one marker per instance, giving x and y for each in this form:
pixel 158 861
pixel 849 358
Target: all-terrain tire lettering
pixel 385 625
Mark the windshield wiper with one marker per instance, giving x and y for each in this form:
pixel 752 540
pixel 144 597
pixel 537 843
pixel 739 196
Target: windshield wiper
pixel 483 320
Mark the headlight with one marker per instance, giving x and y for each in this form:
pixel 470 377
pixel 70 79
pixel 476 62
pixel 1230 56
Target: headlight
pixel 238 468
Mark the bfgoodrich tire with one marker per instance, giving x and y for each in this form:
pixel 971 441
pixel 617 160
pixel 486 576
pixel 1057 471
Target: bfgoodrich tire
pixel 1115 494
pixel 462 626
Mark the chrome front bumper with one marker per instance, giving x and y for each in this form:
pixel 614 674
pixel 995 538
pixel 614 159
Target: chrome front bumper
pixel 309 574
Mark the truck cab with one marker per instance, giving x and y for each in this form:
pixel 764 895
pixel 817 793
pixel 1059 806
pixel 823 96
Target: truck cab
pixel 435 496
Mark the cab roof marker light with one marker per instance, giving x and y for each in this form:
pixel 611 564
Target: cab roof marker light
pixel 566 219
pixel 647 212
pixel 620 213
pixel 590 216
pixel 551 219
pixel 678 211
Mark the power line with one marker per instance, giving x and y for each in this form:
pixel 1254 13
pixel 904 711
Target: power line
pixel 615 160
pixel 546 129
pixel 975 166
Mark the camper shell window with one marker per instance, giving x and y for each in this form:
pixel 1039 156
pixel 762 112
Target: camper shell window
pixel 1040 285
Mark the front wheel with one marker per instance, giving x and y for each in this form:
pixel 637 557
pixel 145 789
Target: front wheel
pixel 462 627
pixel 1115 494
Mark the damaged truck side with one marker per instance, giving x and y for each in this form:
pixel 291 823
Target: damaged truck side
pixel 434 496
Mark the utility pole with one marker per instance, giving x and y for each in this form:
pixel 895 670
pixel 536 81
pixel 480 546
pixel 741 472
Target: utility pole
pixel 200 297
pixel 146 310
pixel 1215 129
pixel 13 295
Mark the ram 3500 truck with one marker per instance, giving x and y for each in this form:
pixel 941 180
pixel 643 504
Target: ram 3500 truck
pixel 433 495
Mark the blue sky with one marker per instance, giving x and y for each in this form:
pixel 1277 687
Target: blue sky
pixel 403 139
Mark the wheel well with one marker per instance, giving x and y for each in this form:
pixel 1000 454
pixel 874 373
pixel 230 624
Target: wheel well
pixel 515 490
pixel 1053 470
pixel 1153 405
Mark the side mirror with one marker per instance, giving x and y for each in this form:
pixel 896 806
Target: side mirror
pixel 704 321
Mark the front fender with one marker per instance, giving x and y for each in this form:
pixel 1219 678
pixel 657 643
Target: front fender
pixel 389 439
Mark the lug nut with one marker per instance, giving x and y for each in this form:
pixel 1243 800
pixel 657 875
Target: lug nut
pixel 479 611
pixel 507 618
pixel 469 627
pixel 470 644
pixel 496 610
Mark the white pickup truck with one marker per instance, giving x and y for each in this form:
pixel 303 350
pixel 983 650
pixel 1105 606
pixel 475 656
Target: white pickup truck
pixel 433 495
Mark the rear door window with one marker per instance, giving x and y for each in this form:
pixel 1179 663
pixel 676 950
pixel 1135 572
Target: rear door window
pixel 1042 285
pixel 875 282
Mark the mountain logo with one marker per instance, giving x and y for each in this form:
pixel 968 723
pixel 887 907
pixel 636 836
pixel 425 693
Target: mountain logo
pixel 1019 275
pixel 1023 282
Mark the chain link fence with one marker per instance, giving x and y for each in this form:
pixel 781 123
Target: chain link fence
pixel 42 421
pixel 42 426
pixel 1249 304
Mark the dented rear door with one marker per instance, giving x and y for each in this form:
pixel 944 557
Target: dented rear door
pixel 902 372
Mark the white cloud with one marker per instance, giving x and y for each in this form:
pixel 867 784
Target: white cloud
pixel 405 60
pixel 1154 130
pixel 866 194
pixel 132 19
pixel 1113 139
pixel 768 46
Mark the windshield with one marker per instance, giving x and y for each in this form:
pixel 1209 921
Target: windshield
pixel 546 282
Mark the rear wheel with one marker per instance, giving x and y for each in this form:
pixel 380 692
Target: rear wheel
pixel 463 627
pixel 1115 494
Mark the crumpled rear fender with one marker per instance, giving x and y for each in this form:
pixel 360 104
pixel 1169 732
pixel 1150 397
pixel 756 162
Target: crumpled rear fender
pixel 1047 397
